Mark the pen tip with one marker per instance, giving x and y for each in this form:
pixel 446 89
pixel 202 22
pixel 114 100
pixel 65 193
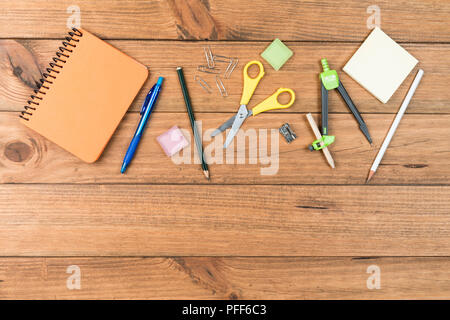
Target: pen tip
pixel 206 173
pixel 122 170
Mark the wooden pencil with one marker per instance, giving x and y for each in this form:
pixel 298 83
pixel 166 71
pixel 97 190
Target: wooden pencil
pixel 316 131
pixel 395 124
pixel 197 138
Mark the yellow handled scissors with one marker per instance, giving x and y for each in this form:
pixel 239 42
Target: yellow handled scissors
pixel 270 103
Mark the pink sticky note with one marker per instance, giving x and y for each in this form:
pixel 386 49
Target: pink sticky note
pixel 172 141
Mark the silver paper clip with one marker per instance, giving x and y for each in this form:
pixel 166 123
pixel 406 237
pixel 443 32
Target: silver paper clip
pixel 208 70
pixel 203 83
pixel 230 68
pixel 222 89
pixel 218 58
pixel 209 57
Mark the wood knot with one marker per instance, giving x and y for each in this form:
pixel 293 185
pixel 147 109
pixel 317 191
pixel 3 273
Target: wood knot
pixel 17 71
pixel 193 19
pixel 233 296
pixel 18 151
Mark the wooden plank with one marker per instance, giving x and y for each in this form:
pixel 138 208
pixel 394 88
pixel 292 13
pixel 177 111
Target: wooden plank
pixel 228 19
pixel 418 153
pixel 168 220
pixel 224 278
pixel 300 73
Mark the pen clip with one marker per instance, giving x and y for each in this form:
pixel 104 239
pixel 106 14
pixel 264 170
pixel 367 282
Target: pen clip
pixel 147 100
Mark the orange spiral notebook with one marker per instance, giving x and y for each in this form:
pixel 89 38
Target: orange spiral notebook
pixel 84 95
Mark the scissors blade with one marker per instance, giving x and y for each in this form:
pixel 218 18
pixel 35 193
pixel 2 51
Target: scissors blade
pixel 238 121
pixel 227 124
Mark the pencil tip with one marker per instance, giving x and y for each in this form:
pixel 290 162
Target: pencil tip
pixel 206 173
pixel 371 173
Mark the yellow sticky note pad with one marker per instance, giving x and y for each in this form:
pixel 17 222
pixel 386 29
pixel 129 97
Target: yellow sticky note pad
pixel 380 65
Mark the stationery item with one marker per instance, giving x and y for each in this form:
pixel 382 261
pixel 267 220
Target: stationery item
pixel 219 58
pixel 287 133
pixel 146 110
pixel 209 57
pixel 269 103
pixel 222 90
pixel 231 66
pixel 276 54
pixel 198 141
pixel 380 65
pixel 172 141
pixel 206 69
pixel 395 124
pixel 203 83
pixel 316 131
pixel 329 80
pixel 86 92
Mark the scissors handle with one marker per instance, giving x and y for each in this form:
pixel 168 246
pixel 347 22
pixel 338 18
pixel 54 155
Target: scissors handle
pixel 272 102
pixel 250 84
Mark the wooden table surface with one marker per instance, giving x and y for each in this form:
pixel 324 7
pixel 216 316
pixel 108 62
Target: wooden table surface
pixel 162 231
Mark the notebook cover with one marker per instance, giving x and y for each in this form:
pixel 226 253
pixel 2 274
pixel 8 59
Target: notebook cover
pixel 380 65
pixel 84 104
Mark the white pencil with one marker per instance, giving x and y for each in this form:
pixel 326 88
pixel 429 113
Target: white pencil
pixel 316 131
pixel 395 124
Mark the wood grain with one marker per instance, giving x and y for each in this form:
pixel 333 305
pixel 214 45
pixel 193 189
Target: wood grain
pixel 188 220
pixel 299 73
pixel 20 73
pixel 229 19
pixel 418 153
pixel 162 231
pixel 225 278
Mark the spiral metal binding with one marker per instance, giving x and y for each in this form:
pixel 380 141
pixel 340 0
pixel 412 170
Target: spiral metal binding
pixel 61 57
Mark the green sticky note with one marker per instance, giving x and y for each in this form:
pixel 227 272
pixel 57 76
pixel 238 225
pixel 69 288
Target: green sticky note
pixel 276 54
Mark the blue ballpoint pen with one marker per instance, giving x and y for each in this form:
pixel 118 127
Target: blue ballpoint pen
pixel 146 110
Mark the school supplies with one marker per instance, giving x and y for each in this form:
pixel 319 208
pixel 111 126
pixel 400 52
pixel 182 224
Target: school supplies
pixel 202 83
pixel 198 141
pixel 212 61
pixel 146 110
pixel 287 133
pixel 85 94
pixel 231 66
pixel 232 62
pixel 329 80
pixel 395 124
pixel 380 65
pixel 316 131
pixel 209 57
pixel 207 69
pixel 277 54
pixel 172 141
pixel 222 90
pixel 269 103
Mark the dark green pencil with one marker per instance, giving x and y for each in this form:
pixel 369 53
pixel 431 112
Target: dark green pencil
pixel 187 101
